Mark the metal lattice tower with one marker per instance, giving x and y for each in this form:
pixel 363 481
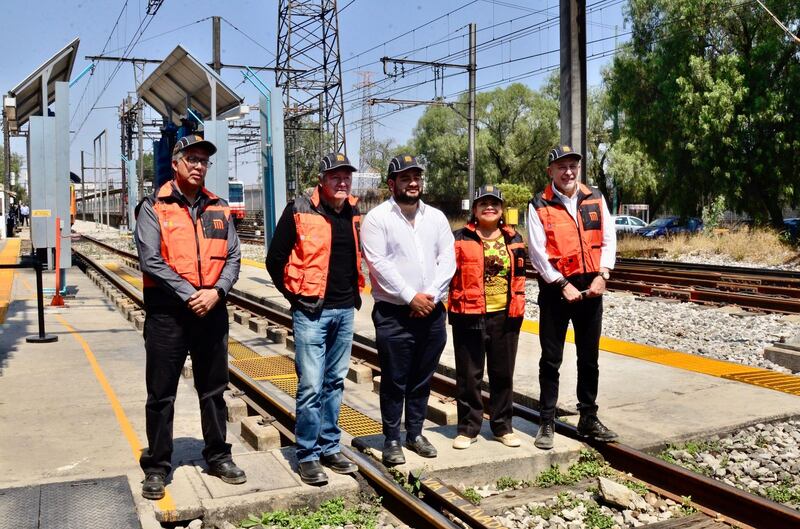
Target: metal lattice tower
pixel 366 150
pixel 309 73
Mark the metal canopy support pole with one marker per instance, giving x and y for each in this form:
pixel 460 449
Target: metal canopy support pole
pixel 133 193
pixel 472 71
pixel 62 181
pixel 573 75
pixel 105 173
pixel 216 59
pixel 83 188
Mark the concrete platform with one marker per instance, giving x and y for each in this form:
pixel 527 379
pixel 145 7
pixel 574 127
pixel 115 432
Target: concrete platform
pixel 485 458
pixel 646 403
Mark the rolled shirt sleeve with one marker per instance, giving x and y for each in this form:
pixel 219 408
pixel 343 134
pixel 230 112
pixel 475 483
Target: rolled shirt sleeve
pixel 608 253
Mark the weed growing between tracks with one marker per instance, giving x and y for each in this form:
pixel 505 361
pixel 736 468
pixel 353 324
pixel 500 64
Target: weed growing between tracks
pixel 332 513
pixel 589 465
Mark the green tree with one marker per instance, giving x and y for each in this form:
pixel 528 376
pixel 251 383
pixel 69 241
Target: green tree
pixel 515 127
pixel 709 90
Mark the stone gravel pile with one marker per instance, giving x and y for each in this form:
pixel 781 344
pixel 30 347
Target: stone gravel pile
pixel 690 328
pixel 763 459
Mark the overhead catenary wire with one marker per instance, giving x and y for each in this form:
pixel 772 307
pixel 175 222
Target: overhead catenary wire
pixel 779 23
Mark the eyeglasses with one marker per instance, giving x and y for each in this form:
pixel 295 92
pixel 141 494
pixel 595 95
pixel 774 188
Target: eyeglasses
pixel 194 160
pixel 572 167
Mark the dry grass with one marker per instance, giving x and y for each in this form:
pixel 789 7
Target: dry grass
pixel 759 246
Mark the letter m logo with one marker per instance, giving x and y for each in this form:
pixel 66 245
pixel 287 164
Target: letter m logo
pixel 218 224
pixel 592 215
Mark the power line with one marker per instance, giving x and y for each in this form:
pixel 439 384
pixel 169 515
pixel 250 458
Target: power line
pixel 779 23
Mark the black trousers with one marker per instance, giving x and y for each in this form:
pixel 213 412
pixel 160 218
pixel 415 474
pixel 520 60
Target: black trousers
pixel 491 342
pixel 587 321
pixel 408 350
pixel 168 336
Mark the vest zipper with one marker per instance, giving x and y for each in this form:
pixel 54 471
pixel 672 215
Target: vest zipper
pixel 197 246
pixel 578 222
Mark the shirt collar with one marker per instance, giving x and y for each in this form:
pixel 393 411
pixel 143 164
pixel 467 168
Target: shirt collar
pixel 564 198
pixel 395 205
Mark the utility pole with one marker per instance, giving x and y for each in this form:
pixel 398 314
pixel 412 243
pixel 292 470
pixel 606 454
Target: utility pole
pixel 83 189
pixel 366 149
pixel 471 68
pixel 573 75
pixel 216 60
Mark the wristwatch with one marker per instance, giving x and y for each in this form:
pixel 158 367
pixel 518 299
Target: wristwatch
pixel 605 274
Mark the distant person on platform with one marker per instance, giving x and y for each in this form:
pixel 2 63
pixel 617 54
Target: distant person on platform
pixel 24 214
pixel 572 244
pixel 486 308
pixel 408 246
pixel 314 260
pixel 190 257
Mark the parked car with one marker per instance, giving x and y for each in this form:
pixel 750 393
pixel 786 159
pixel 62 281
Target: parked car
pixel 627 224
pixel 667 226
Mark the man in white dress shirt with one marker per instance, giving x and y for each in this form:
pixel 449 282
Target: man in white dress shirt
pixel 409 248
pixel 572 244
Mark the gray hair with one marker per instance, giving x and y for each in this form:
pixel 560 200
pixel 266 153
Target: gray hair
pixel 177 156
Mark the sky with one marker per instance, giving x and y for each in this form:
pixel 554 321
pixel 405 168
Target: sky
pixel 518 40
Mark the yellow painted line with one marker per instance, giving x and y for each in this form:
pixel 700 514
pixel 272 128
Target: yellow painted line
pixel 165 504
pixel 9 255
pixel 689 362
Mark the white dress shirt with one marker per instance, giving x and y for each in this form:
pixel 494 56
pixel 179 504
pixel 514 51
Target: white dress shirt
pixel 405 259
pixel 537 239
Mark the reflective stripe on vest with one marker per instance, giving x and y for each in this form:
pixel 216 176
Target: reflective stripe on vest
pixel 467 294
pixel 573 247
pixel 306 272
pixel 196 251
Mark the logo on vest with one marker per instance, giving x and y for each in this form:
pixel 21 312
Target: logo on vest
pixel 218 224
pixel 593 216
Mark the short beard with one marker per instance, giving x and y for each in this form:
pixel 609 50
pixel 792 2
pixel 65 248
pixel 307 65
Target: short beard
pixel 402 198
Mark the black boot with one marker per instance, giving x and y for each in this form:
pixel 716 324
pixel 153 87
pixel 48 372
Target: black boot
pixel 545 435
pixel 153 486
pixel 590 427
pixel 228 472
pixel 311 473
pixel 338 463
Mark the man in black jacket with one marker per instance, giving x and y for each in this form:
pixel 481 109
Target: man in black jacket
pixel 314 260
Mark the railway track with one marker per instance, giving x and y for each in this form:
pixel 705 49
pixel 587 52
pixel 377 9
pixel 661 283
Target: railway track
pixel 717 500
pixel 757 289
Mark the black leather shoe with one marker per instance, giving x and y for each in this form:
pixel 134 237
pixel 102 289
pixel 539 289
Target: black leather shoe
pixel 545 435
pixel 393 454
pixel 228 472
pixel 311 473
pixel 590 427
pixel 153 486
pixel 421 446
pixel 339 463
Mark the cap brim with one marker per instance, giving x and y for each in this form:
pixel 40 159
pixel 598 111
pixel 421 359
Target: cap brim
pixel 404 169
pixel 342 166
pixel 488 195
pixel 568 155
pixel 202 144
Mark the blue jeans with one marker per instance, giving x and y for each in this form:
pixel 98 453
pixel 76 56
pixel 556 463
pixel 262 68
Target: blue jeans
pixel 322 357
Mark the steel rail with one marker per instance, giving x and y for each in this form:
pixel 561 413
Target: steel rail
pixel 743 270
pixel 733 503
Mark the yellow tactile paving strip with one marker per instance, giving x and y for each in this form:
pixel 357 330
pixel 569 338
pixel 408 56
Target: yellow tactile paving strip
pixel 689 362
pixel 9 255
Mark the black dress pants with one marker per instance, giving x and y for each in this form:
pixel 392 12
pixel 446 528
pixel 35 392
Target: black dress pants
pixel 169 335
pixel 408 350
pixel 491 342
pixel 554 317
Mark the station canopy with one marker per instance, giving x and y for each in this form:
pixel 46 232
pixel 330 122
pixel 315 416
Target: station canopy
pixel 28 93
pixel 180 81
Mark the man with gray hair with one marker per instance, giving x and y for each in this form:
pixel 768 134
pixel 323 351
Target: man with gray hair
pixel 190 257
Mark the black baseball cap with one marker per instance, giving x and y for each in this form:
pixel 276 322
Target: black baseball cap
pixel 194 140
pixel 488 191
pixel 335 160
pixel 561 151
pixel 403 162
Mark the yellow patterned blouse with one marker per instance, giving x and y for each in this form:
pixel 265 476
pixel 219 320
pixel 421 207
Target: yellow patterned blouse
pixel 496 269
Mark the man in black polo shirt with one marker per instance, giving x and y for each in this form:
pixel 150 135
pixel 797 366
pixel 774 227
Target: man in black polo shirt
pixel 315 262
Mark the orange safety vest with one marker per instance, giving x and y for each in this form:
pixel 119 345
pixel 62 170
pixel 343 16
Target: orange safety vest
pixel 306 271
pixel 197 251
pixel 467 294
pixel 573 247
